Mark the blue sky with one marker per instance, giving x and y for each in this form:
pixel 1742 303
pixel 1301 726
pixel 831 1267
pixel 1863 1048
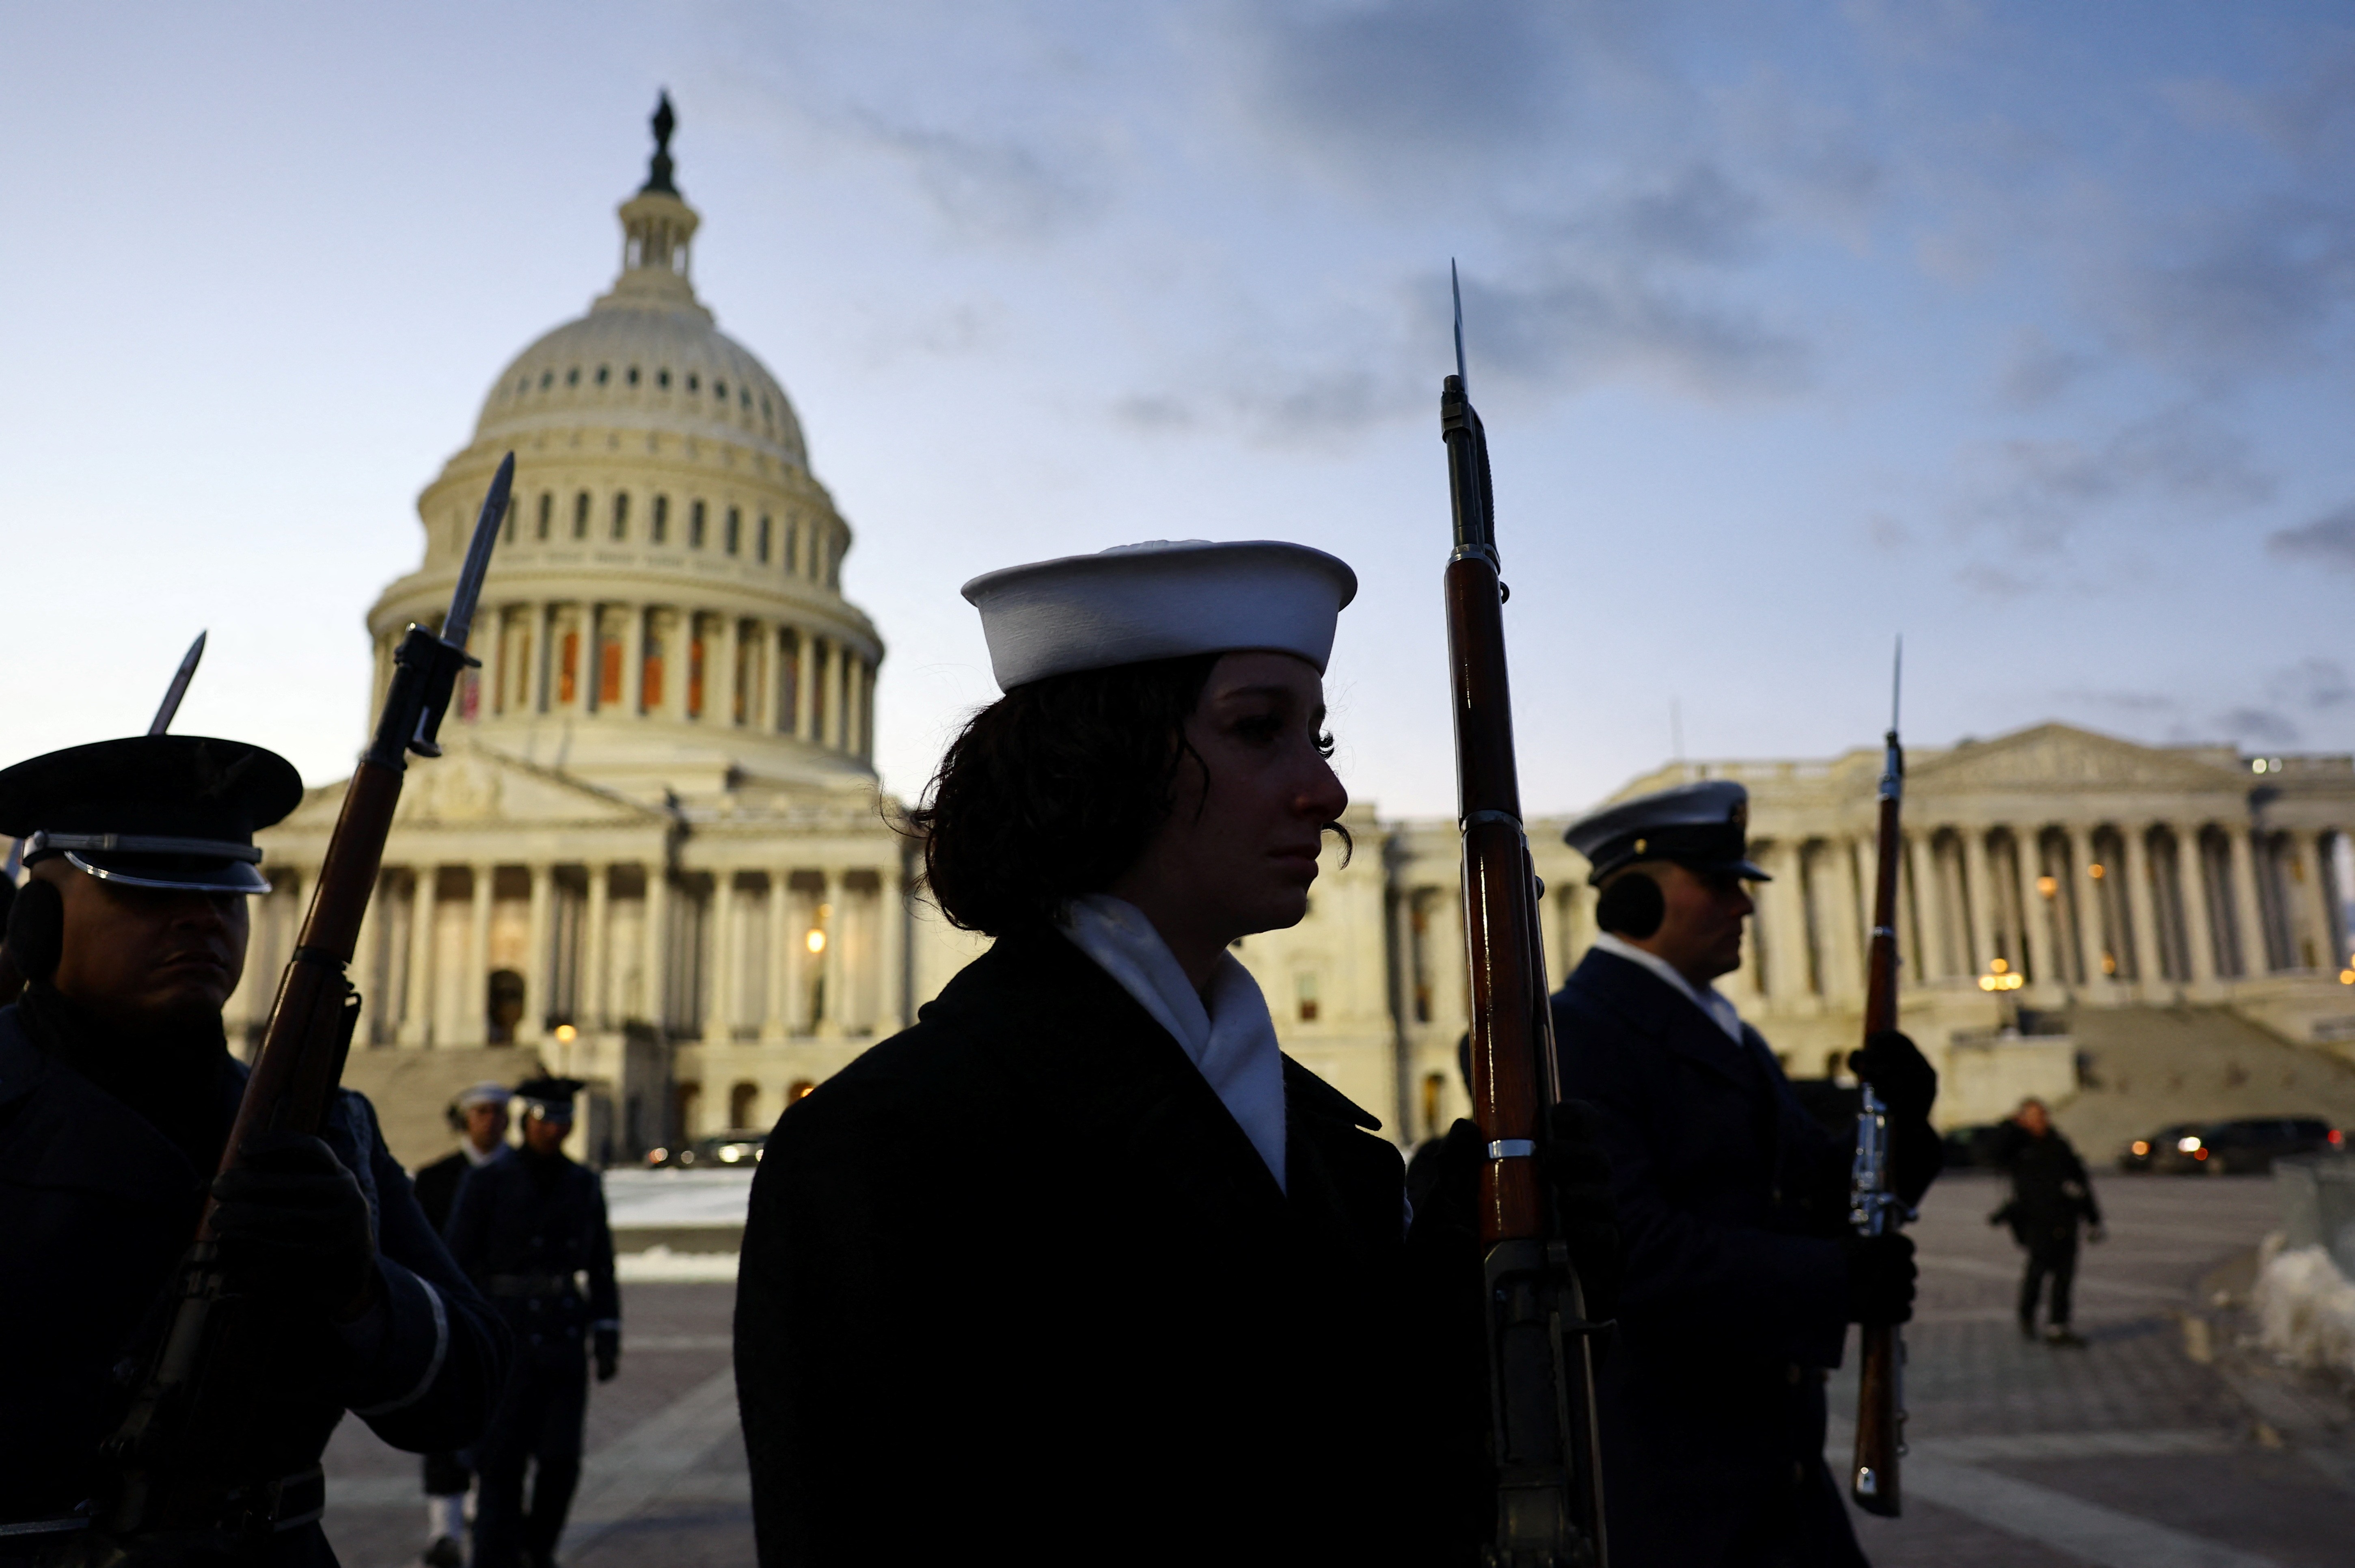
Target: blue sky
pixel 2022 329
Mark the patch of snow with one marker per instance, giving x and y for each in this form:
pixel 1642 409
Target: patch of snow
pixel 660 1265
pixel 640 1199
pixel 2306 1310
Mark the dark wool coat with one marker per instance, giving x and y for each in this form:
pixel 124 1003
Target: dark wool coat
pixel 1016 1287
pixel 518 1216
pixel 2049 1189
pixel 96 1209
pixel 1733 1202
pixel 437 1186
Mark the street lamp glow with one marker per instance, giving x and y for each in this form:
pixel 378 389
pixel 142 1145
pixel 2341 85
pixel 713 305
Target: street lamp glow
pixel 814 941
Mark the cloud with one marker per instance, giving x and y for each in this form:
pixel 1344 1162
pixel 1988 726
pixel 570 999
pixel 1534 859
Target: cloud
pixel 2313 683
pixel 988 187
pixel 2329 538
pixel 2038 488
pixel 2264 725
pixel 2249 290
pixel 1580 322
pixel 2036 370
pixel 1696 216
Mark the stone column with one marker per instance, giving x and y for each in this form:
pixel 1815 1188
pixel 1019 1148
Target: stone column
pixel 836 980
pixel 2041 968
pixel 417 1006
pixel 719 694
pixel 633 660
pixel 536 956
pixel 2324 959
pixel 805 696
pixel 1979 894
pixel 658 948
pixel 487 638
pixel 477 1031
pixel 1927 963
pixel 830 684
pixel 719 1023
pixel 366 974
pixel 777 1010
pixel 2085 890
pixel 592 948
pixel 2191 886
pixel 2149 939
pixel 891 947
pixel 2248 912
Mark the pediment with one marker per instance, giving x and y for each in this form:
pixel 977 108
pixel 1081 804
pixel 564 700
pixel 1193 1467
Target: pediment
pixel 471 785
pixel 2062 756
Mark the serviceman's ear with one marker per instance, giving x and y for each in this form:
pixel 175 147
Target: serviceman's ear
pixel 36 929
pixel 1633 906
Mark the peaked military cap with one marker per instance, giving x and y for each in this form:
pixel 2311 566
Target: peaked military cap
pixel 152 811
pixel 1160 600
pixel 548 1099
pixel 1703 826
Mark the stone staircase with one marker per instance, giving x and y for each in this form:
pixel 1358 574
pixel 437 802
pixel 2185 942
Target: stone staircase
pixel 2144 1067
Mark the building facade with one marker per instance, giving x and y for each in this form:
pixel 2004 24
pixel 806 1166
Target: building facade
pixel 656 857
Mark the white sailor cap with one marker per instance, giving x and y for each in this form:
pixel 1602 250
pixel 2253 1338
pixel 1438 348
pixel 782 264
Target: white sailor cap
pixel 1704 826
pixel 1161 599
pixel 486 1093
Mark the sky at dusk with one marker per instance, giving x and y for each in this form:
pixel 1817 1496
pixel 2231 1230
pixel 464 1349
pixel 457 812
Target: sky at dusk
pixel 2023 330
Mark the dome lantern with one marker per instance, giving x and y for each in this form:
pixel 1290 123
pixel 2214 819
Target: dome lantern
pixel 658 227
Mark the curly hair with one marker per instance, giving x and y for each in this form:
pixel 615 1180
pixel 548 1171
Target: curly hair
pixel 1055 789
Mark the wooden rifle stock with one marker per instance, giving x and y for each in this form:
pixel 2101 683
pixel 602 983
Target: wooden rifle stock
pixel 1875 1207
pixel 1540 1371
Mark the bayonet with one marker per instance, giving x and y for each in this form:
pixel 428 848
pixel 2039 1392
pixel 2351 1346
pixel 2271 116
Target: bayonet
pixel 460 618
pixel 1455 287
pixel 445 653
pixel 179 687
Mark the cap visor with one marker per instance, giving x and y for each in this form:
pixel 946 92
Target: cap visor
pixel 172 874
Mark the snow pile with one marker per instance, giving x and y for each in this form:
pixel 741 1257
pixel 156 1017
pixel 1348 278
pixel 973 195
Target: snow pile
pixel 640 1199
pixel 2306 1310
pixel 660 1265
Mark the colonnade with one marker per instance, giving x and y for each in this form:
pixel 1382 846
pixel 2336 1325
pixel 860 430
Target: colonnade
pixel 624 658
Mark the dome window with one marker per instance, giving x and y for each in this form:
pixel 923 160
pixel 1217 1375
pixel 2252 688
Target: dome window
pixel 604 374
pixel 547 380
pixel 744 397
pixel 581 516
pixel 695 525
pixel 735 528
pixel 693 383
pixel 621 515
pixel 572 377
pixel 658 525
pixel 719 390
pixel 547 513
pixel 760 547
pixel 662 379
pixel 634 375
pixel 764 405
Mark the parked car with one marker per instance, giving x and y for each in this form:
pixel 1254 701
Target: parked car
pixel 2142 1155
pixel 2248 1145
pixel 1971 1146
pixel 718 1151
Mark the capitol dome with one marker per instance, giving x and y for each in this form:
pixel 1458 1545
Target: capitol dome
pixel 664 614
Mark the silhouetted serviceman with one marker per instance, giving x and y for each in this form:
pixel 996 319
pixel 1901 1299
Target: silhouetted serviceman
pixel 1742 1271
pixel 530 1227
pixel 2051 1196
pixel 480 1117
pixel 117 1091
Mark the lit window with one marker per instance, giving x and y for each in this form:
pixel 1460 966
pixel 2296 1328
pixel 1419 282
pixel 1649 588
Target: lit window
pixel 1306 985
pixel 659 526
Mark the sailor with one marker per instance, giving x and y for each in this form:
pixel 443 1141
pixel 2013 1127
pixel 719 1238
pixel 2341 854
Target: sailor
pixel 1082 1268
pixel 1742 1271
pixel 529 1227
pixel 117 1091
pixel 479 1116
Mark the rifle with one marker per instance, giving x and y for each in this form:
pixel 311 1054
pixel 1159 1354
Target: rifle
pixel 176 1483
pixel 1543 1433
pixel 1874 1206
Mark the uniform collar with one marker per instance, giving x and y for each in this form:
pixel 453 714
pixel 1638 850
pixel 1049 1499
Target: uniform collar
pixel 1708 999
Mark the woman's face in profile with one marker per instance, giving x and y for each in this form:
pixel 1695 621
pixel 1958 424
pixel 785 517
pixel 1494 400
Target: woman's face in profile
pixel 1239 850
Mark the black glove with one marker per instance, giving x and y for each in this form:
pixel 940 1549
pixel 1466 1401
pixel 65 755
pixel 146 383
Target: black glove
pixel 1578 1172
pixel 292 1225
pixel 1899 1073
pixel 607 1347
pixel 1881 1275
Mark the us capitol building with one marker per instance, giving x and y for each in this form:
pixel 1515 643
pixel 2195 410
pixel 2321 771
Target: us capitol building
pixel 656 857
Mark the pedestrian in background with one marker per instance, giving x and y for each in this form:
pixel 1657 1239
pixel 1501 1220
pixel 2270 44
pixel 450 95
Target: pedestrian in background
pixel 529 1227
pixel 2050 1196
pixel 480 1117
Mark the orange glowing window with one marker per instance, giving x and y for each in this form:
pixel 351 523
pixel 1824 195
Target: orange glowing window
pixel 609 673
pixel 694 679
pixel 567 680
pixel 650 689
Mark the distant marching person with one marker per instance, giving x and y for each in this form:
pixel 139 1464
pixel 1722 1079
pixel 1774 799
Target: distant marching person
pixel 2050 1194
pixel 480 1116
pixel 527 1227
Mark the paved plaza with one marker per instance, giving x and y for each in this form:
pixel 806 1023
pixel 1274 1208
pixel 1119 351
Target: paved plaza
pixel 2154 1446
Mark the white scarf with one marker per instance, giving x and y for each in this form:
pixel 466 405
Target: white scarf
pixel 1231 1041
pixel 1708 999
